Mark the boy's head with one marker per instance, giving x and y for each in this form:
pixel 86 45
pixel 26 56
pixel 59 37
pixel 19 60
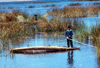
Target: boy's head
pixel 68 27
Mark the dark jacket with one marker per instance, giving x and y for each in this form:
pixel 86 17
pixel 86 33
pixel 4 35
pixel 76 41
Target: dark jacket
pixel 69 33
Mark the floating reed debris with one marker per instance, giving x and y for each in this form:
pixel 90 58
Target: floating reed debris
pixel 75 4
pixel 49 5
pixel 31 6
pixel 10 7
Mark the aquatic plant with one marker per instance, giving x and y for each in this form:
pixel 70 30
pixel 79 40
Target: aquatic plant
pixel 95 34
pixel 81 32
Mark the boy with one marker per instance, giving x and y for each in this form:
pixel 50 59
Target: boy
pixel 68 36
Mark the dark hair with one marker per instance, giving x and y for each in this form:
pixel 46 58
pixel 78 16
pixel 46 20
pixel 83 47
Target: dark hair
pixel 68 27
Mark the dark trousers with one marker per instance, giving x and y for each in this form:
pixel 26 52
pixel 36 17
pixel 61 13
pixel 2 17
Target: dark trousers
pixel 69 42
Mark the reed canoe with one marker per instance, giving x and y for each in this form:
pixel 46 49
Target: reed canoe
pixel 42 49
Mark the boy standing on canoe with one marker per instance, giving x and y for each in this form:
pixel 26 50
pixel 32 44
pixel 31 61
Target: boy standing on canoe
pixel 68 36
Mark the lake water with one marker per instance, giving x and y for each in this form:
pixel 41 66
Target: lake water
pixel 36 7
pixel 86 57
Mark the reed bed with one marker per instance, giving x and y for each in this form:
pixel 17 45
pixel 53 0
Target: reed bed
pixel 18 23
pixel 82 32
pixel 14 30
pixel 95 33
pixel 15 24
pixel 56 24
pixel 74 12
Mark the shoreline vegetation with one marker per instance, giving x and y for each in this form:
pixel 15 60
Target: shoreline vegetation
pixel 18 24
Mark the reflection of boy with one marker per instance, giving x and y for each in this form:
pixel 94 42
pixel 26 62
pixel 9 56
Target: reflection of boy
pixel 70 57
pixel 68 35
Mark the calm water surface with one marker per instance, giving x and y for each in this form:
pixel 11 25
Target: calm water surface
pixel 83 58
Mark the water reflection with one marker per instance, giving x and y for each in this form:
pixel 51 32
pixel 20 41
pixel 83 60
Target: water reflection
pixel 70 58
pixel 4 44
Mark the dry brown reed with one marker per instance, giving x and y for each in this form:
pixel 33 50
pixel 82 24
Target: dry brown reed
pixel 14 30
pixel 10 26
pixel 8 17
pixel 56 24
pixel 74 12
pixel 19 24
pixel 95 33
